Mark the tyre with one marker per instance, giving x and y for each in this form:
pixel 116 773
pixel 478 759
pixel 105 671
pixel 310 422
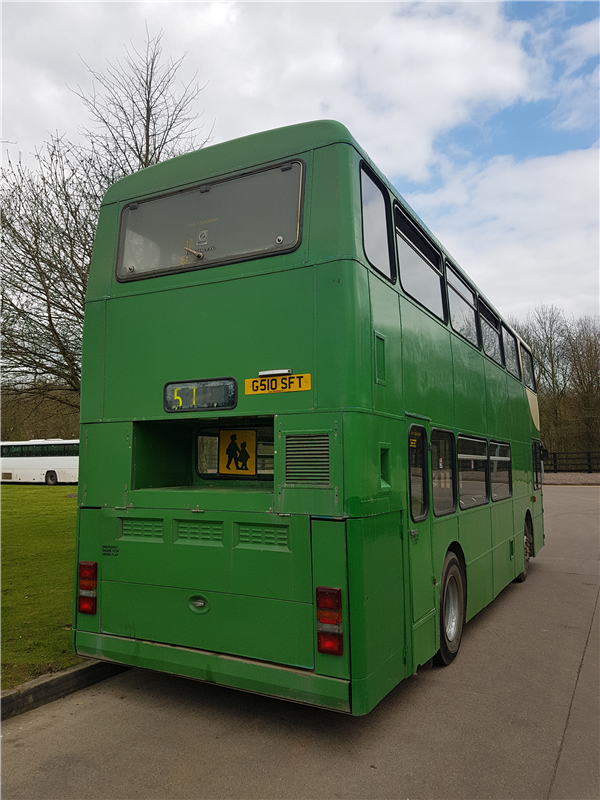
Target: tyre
pixel 528 549
pixel 51 478
pixel 452 610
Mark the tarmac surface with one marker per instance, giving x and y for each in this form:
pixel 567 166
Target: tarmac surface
pixel 515 716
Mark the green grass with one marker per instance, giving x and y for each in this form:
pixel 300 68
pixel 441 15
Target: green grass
pixel 38 550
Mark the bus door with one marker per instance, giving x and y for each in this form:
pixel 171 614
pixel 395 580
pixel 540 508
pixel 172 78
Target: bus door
pixel 419 548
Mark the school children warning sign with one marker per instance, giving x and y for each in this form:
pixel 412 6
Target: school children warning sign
pixel 237 452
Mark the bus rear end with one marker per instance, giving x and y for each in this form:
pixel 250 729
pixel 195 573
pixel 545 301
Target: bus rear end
pixel 212 539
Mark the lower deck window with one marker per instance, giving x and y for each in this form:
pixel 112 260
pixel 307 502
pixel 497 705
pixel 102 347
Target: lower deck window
pixel 417 456
pixel 472 472
pixel 443 482
pixel 500 472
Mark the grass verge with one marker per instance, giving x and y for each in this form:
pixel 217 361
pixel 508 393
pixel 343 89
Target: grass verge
pixel 38 551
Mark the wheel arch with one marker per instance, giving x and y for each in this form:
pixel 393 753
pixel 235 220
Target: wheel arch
pixel 454 547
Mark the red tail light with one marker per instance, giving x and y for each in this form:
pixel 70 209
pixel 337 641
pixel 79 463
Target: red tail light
pixel 88 583
pixel 329 621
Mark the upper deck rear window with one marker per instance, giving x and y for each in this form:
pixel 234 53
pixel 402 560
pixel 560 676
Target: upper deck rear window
pixel 214 223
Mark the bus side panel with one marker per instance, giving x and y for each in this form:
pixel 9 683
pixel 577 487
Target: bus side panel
pixel 374 464
pixel 427 363
pixel 497 406
pixel 93 362
pixel 330 569
pixel 102 268
pixel 105 464
pixel 503 544
pixel 377 606
pixel 469 387
pixel 476 541
pixel 343 335
pixel 387 350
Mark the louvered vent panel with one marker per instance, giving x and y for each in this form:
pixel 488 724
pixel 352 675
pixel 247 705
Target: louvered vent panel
pixel 307 459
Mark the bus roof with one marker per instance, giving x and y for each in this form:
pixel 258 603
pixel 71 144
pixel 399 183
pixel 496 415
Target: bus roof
pixel 237 154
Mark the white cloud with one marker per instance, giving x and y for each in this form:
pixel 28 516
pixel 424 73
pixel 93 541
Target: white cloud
pixel 526 233
pixel 397 74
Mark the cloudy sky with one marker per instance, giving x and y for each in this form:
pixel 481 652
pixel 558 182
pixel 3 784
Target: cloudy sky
pixel 483 115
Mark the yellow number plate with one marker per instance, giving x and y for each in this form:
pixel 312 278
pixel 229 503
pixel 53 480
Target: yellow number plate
pixel 278 383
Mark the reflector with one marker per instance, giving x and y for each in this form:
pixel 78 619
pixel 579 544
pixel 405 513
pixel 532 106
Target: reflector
pixel 328 597
pixel 330 643
pixel 88 574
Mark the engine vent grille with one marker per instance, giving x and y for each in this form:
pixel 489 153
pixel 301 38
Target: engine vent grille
pixel 307 459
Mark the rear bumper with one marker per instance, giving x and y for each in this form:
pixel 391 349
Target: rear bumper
pixel 297 685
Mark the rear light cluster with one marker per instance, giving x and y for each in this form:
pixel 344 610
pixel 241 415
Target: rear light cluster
pixel 88 582
pixel 329 621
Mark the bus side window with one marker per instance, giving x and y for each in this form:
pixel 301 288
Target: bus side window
pixel 538 455
pixel 417 459
pixel 443 473
pixel 420 266
pixel 500 471
pixel 375 226
pixel 511 354
pixel 473 477
pixel 463 307
pixel 528 373
pixel 490 332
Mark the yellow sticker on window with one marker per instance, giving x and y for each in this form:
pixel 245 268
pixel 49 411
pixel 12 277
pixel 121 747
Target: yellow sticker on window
pixel 237 452
pixel 278 383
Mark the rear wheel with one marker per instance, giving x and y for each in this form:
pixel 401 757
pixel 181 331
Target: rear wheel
pixel 528 550
pixel 452 610
pixel 51 478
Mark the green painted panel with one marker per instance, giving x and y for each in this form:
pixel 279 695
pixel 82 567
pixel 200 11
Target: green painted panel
pixel 301 686
pixel 343 335
pixel 519 410
pixel 497 407
pixel 300 494
pixel 330 569
pixel 247 554
pixel 469 387
pixel 427 364
pixel 188 344
pixel 387 369
pixel 504 544
pixel 269 630
pixel 335 225
pixel 376 584
pixel 104 256
pixel 444 532
pixel 475 536
pixel 93 366
pixel 365 437
pixel 105 464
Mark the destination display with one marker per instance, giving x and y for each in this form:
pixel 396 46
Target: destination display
pixel 200 395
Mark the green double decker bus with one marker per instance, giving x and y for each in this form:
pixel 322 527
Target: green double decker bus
pixel 309 447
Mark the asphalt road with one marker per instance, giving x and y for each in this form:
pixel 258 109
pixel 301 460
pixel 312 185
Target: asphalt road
pixel 515 716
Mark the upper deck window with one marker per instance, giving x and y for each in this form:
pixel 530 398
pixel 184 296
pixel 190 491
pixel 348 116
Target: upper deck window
pixel 220 222
pixel 511 354
pixel 375 225
pixel 463 313
pixel 528 373
pixel 490 331
pixel 420 266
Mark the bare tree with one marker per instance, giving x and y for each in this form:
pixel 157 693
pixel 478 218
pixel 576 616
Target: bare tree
pixel 138 119
pixel 49 213
pixel 567 357
pixel 584 355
